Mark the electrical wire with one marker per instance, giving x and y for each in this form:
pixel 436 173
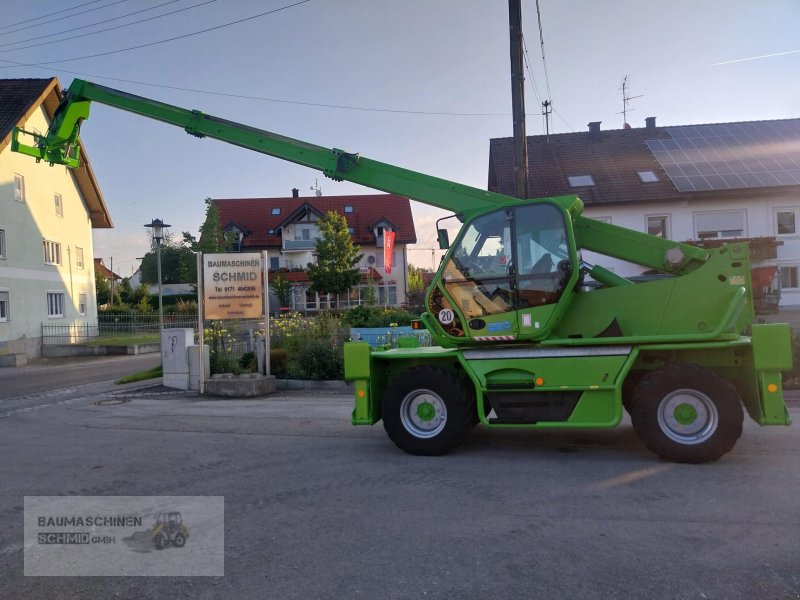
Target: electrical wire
pixel 41 37
pixel 108 28
pixel 267 99
pixel 528 69
pixel 172 39
pixel 563 119
pixel 544 62
pixel 65 17
pixel 58 12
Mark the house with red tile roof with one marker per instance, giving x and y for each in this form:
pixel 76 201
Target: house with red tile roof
pixel 287 229
pixel 703 184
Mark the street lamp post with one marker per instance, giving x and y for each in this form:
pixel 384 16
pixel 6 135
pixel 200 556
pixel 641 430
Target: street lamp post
pixel 158 235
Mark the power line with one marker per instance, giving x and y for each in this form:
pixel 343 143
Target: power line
pixel 528 69
pixel 104 30
pixel 267 99
pixel 558 114
pixel 544 62
pixel 58 12
pixel 172 39
pixel 66 17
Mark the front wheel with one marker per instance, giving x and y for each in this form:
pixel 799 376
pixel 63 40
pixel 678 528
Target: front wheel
pixel 427 411
pixel 686 413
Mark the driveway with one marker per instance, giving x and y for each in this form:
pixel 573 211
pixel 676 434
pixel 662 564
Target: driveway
pixel 316 508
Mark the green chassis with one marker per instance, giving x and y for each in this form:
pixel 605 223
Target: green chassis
pixel 751 364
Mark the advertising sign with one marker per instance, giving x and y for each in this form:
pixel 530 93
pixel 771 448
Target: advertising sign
pixel 232 286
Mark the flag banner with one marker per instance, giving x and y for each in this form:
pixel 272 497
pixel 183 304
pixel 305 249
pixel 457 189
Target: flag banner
pixel 388 250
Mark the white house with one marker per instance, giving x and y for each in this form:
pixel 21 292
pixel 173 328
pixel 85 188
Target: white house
pixel 703 184
pixel 46 219
pixel 287 229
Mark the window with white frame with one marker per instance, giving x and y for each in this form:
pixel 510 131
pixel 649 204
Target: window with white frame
pixel 5 306
pixel 79 257
pixel 59 204
pixel 82 304
pixel 658 225
pixel 55 304
pixel 19 188
pixel 727 224
pixel 786 221
pixel 52 252
pixel 788 277
pixel 2 243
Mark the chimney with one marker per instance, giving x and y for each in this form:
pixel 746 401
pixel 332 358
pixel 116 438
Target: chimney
pixel 295 193
pixel 650 122
pixel 594 131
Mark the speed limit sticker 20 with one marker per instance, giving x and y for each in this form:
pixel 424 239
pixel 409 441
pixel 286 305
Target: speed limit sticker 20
pixel 446 316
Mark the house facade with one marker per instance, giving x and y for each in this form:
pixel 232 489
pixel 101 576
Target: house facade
pixel 702 184
pixel 46 219
pixel 287 228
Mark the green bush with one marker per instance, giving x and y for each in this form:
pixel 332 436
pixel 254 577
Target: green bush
pixel 278 362
pixel 370 316
pixel 318 359
pixel 312 346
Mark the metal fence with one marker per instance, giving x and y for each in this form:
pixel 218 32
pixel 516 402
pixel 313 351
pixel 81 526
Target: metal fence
pixel 387 336
pixel 68 333
pixel 143 323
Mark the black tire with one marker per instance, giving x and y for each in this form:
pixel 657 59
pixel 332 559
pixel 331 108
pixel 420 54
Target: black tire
pixel 179 541
pixel 686 413
pixel 427 411
pixel 160 542
pixel 629 388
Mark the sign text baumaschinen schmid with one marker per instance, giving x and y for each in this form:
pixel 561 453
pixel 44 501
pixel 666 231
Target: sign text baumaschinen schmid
pixel 232 286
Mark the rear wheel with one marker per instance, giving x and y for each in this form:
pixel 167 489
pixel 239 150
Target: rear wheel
pixel 686 413
pixel 427 411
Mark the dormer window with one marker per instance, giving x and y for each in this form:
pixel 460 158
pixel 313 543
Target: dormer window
pixel 580 180
pixel 276 210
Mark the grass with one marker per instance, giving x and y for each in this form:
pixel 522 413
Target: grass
pixel 123 339
pixel 142 375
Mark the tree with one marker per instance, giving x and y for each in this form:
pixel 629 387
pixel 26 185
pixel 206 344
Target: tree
pixel 102 289
pixel 125 291
pixel 415 296
pixel 337 255
pixel 178 265
pixel 283 290
pixel 212 238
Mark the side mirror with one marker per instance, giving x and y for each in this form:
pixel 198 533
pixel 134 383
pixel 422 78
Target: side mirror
pixel 444 239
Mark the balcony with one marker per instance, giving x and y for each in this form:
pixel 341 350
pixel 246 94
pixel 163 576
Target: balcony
pixel 289 245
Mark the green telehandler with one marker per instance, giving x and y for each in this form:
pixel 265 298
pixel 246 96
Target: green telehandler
pixel 526 333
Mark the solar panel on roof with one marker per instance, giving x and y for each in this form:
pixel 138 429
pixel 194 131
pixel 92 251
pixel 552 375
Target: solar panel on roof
pixel 730 155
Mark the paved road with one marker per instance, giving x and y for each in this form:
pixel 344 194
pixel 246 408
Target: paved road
pixel 56 374
pixel 315 508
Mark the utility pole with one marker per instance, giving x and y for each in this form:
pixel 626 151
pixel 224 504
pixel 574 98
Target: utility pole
pixel 547 110
pixel 518 98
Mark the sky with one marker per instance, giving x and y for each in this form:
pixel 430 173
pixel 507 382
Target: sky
pixel 422 84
